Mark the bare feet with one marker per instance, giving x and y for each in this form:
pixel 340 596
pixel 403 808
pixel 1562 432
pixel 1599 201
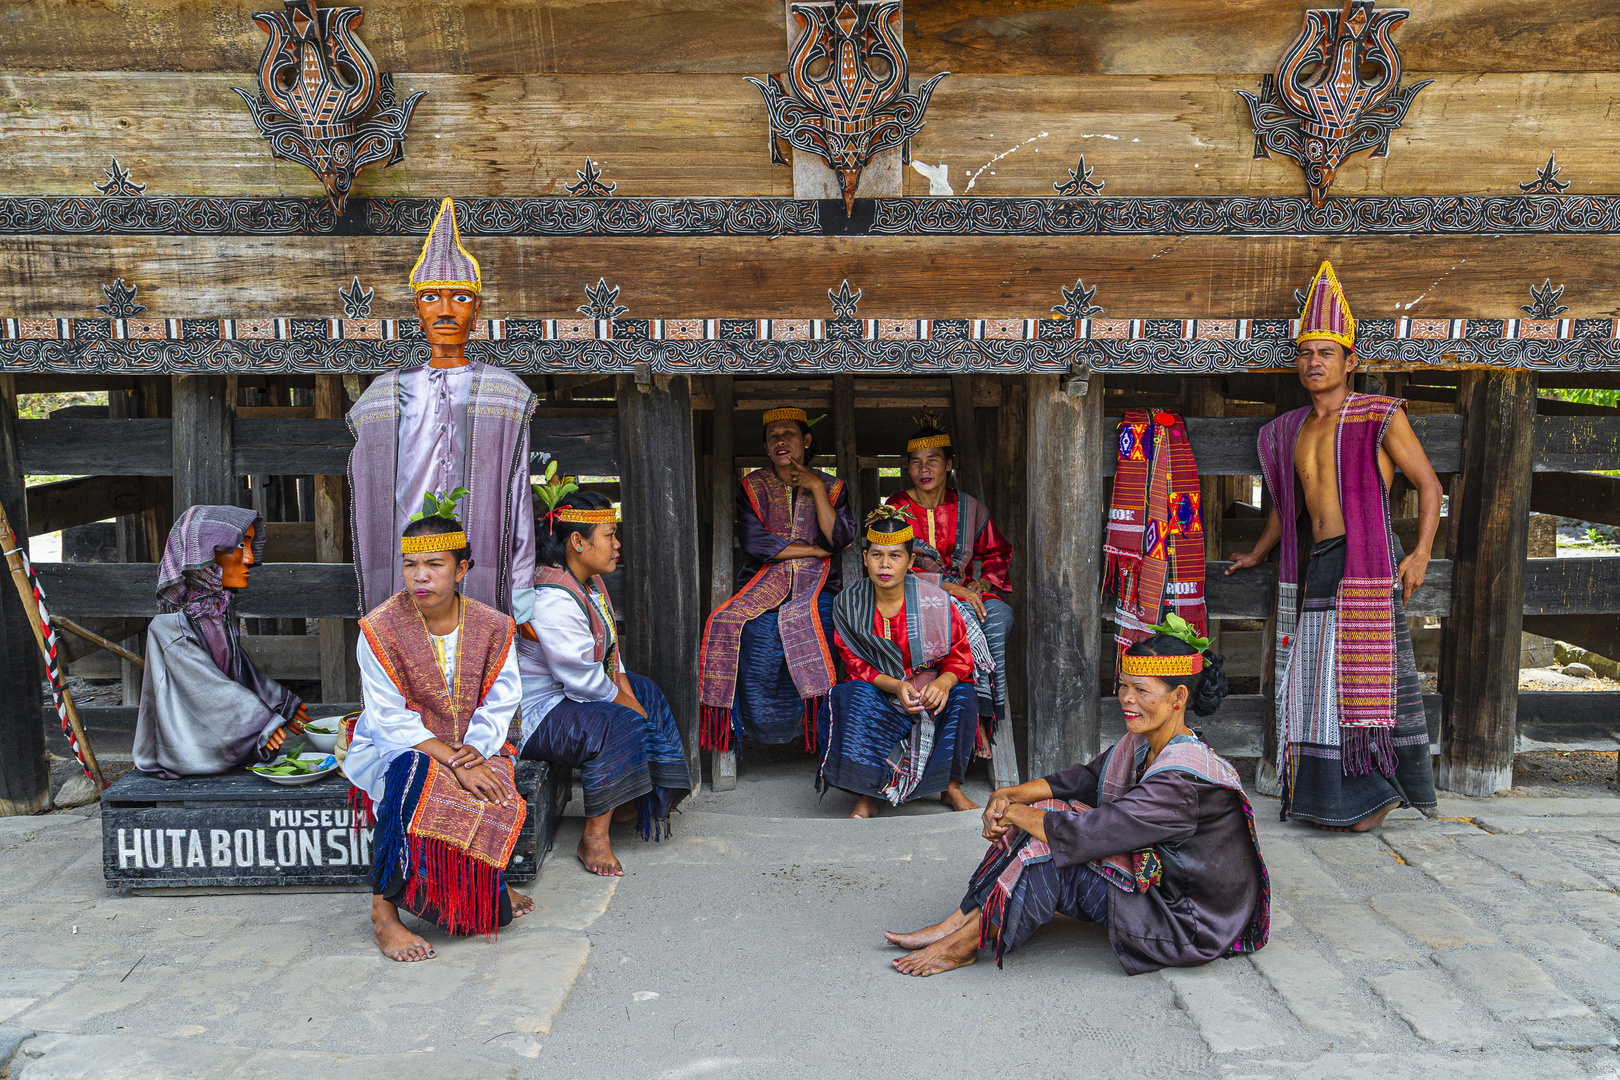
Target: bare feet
pixel 597 855
pixel 928 934
pixel 865 806
pixel 521 905
pixel 981 741
pixel 392 936
pixel 625 813
pixel 1367 824
pixel 959 949
pixel 955 799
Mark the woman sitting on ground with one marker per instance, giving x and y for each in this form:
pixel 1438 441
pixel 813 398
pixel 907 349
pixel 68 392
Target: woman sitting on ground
pixel 580 707
pixel 1154 840
pixel 902 725
pixel 956 539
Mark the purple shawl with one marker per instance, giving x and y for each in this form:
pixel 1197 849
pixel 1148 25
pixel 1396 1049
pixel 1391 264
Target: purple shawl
pixel 498 476
pixel 1364 660
pixel 190 581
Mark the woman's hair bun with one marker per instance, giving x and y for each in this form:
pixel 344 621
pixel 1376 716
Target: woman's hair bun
pixel 1211 686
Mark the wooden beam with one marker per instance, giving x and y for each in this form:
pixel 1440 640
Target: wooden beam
pixel 969 469
pixel 843 407
pixel 1583 496
pixel 1490 510
pixel 723 501
pixel 275 590
pixel 66 503
pixel 202 441
pixel 25 779
pixel 1595 633
pixel 339 668
pixel 787 277
pixel 1064 552
pixel 95 447
pixel 663 612
pixel 1202 397
pixel 1008 503
pixel 1576 443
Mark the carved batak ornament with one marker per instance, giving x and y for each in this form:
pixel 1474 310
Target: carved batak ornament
pixel 1320 107
pixel 844 95
pixel 321 101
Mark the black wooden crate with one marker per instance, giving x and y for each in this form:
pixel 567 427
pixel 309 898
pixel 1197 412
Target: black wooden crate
pixel 237 829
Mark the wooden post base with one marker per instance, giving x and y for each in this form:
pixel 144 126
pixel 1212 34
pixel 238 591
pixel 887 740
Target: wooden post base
pixel 723 770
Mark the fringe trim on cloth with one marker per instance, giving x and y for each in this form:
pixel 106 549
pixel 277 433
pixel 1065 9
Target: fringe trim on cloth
pixel 714 725
pixel 1362 748
pixel 361 811
pixel 463 892
pixel 652 815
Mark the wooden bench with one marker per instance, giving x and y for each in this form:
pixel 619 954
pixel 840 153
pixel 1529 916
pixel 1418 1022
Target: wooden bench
pixel 238 830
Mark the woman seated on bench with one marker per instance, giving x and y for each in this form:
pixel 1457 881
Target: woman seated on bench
pixel 1154 840
pixel 204 707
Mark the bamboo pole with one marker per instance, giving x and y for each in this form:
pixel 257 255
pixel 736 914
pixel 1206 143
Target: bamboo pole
pixel 94 638
pixel 25 589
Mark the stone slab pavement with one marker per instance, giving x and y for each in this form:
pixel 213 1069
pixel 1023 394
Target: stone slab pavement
pixel 750 945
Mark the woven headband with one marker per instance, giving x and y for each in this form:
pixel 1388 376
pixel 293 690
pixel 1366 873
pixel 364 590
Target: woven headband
pixel 1160 666
pixel 931 442
pixel 787 414
pixel 899 536
pixel 582 516
pixel 422 545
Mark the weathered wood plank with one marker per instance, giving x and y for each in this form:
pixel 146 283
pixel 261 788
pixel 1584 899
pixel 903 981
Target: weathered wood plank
pixel 95 447
pixel 1576 443
pixel 493 37
pixel 1572 586
pixel 1490 514
pixel 1064 566
pixel 1191 134
pixel 1551 716
pixel 932 277
pixel 1226 446
pixel 275 590
pixel 184 134
pixel 201 441
pixel 677 134
pixel 1150 37
pixel 663 612
pixel 1584 496
pixel 25 779
pixel 67 503
pixel 1596 633
pixel 723 507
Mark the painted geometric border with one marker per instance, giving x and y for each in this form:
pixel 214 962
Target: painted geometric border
pixel 1452 215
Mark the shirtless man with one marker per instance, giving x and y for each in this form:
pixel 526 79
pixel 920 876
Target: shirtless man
pixel 1368 751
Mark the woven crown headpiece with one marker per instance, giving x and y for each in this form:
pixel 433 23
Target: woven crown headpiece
pixel 929 442
pixel 554 490
pixel 444 263
pixel 888 524
pixel 1160 666
pixel 1327 313
pixel 437 506
pixel 774 415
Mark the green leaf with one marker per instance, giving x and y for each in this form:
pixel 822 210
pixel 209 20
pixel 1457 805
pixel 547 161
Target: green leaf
pixel 430 505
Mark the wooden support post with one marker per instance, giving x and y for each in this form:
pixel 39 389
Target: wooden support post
pixel 1201 396
pixel 849 466
pixel 340 672
pixel 25 777
pixel 204 469
pixel 663 623
pixel 969 468
pixel 1490 521
pixel 723 500
pixel 1006 496
pixel 1066 441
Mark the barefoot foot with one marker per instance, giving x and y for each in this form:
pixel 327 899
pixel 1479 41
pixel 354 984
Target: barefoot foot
pixel 625 813
pixel 954 798
pixel 1367 824
pixel 865 807
pixel 521 905
pixel 916 939
pixel 396 941
pixel 597 855
pixel 958 950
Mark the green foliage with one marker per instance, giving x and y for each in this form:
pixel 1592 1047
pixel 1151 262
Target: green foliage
pixel 1610 398
pixel 443 506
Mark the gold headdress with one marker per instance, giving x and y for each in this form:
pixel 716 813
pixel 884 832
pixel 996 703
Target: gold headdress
pixel 774 415
pixel 439 506
pixel 888 524
pixel 557 488
pixel 929 442
pixel 1169 666
pixel 444 263
pixel 1327 313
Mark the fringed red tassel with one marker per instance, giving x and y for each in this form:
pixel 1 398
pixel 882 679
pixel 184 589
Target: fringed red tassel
pixel 811 707
pixel 361 812
pixel 991 917
pixel 463 893
pixel 714 728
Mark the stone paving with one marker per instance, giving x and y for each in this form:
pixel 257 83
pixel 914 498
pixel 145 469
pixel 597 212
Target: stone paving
pixel 1482 945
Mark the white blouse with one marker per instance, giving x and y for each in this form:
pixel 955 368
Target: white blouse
pixel 388 728
pixel 560 664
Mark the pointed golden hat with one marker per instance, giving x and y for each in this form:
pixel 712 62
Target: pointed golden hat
pixel 1327 313
pixel 444 263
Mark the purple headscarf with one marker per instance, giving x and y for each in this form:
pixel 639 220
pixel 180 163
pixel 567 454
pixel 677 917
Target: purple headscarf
pixel 190 581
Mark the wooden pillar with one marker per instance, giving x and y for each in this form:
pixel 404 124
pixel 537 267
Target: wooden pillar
pixel 849 466
pixel 25 777
pixel 1490 522
pixel 204 444
pixel 1007 502
pixel 1066 441
pixel 723 503
pixel 658 485
pixel 1201 396
pixel 969 467
pixel 340 672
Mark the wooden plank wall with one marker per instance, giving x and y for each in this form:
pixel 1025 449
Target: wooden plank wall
pixel 520 93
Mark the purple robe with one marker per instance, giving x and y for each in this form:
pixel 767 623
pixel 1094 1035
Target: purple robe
pixel 498 515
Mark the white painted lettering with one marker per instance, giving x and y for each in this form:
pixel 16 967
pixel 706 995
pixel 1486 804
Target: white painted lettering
pixel 244 847
pixel 365 848
pixel 220 841
pixel 286 848
pixel 278 817
pixel 309 847
pixel 264 856
pixel 194 850
pixel 155 855
pixel 175 836
pixel 326 819
pixel 125 854
pixel 335 843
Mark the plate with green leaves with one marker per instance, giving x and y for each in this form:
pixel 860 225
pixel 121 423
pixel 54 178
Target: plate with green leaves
pixel 296 767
